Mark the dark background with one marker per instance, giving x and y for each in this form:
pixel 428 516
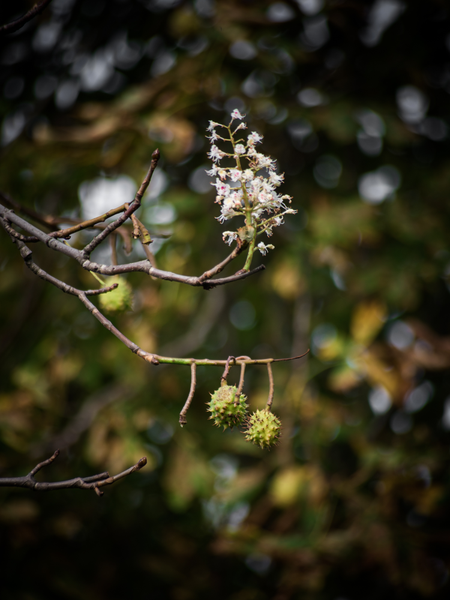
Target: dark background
pixel 352 99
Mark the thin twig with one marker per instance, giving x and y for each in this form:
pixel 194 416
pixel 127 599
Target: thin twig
pixel 154 359
pixel 242 376
pixel 94 482
pixel 182 419
pixel 223 379
pixel 13 233
pixel 271 386
pixel 98 239
pixel 113 243
pixel 220 267
pixel 18 23
pixel 27 255
pixel 143 266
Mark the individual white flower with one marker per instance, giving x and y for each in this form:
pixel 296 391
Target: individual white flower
pixel 239 149
pixel 264 198
pixel 235 114
pixel 229 236
pixel 235 198
pixel 265 161
pixel 263 248
pixel 235 174
pixel 223 189
pixel 227 210
pixel 213 124
pixel 254 138
pixel 222 174
pixel 267 186
pixel 213 137
pixel 247 175
pixel 215 154
pixel 241 126
pixel 213 172
pixel 275 178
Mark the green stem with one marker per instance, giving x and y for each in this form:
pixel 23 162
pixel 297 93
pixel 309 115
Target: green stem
pixel 102 283
pixel 251 250
pixel 168 360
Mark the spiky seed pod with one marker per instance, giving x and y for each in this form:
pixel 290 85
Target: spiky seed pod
pixel 263 429
pixel 227 407
pixel 118 300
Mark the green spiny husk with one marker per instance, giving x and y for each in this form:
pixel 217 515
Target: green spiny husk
pixel 227 408
pixel 263 429
pixel 118 300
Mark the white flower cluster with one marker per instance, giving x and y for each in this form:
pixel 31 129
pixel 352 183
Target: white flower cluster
pixel 254 197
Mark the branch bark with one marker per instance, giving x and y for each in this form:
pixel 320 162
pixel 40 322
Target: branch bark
pixel 94 482
pixel 18 23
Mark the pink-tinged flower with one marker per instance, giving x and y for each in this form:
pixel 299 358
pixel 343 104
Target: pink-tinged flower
pixel 235 198
pixel 248 175
pixel 222 189
pixel 239 149
pixel 254 138
pixel 215 153
pixel 264 197
pixel 241 126
pixel 235 114
pixel 235 174
pixel 213 137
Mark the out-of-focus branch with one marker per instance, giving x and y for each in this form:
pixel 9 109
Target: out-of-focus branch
pixel 18 23
pixel 94 482
pixel 204 321
pixel 82 420
pixel 51 222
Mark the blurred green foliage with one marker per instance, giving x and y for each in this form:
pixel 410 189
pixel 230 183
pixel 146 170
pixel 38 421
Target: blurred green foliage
pixel 352 98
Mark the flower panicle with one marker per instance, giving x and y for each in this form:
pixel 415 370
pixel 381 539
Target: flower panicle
pixel 248 186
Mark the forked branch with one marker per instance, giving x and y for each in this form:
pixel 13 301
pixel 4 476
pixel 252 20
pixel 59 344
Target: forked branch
pixel 94 482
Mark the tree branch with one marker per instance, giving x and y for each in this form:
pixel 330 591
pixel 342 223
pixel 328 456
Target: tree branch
pixel 143 266
pixel 94 482
pixel 182 419
pixel 128 212
pixel 18 23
